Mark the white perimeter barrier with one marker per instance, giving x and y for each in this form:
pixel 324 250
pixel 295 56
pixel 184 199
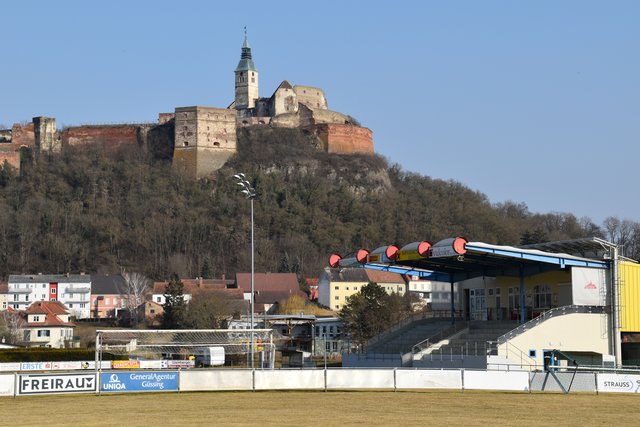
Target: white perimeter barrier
pixel 360 378
pixel 230 379
pixel 496 380
pixel 311 379
pixel 423 379
pixel 290 380
pixel 7 385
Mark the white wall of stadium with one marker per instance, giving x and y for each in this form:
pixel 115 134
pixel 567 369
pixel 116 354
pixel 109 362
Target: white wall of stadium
pixel 123 381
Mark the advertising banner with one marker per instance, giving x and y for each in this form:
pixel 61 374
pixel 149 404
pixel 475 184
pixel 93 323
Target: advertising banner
pixel 56 383
pixel 588 286
pixel 125 364
pixel 140 381
pixel 179 364
pixel 618 383
pixel 35 366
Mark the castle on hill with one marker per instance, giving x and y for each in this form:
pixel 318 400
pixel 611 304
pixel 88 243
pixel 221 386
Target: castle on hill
pixel 201 139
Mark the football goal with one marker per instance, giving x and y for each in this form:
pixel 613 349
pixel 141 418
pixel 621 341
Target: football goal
pixel 152 344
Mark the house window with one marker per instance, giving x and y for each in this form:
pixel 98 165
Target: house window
pixel 337 297
pixel 44 286
pixel 355 288
pixel 336 287
pixel 36 318
pixel 330 329
pixel 15 297
pixel 152 311
pixel 70 305
pixel 106 301
pixel 347 288
pixel 82 305
pixel 53 290
pixel 337 306
pixel 44 333
pixel 158 299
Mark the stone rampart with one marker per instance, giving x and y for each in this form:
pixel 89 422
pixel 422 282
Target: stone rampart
pixel 23 135
pixel 111 136
pixel 345 139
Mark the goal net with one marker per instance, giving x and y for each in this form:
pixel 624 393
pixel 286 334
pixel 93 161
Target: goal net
pixel 184 343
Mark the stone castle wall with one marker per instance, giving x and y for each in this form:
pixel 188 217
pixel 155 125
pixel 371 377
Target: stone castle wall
pixel 23 135
pixel 345 139
pixel 111 136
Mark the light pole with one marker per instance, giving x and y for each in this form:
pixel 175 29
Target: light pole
pixel 250 193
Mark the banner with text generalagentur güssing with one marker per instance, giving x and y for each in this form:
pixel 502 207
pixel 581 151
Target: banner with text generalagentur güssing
pixel 140 381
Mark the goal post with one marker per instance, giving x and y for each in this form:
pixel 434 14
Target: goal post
pixel 152 344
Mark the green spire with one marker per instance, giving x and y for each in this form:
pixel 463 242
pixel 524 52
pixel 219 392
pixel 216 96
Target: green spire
pixel 246 62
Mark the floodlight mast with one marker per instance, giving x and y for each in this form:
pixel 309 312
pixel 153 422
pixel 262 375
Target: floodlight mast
pixel 250 193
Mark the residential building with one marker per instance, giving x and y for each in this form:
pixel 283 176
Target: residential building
pixel 270 289
pixel 73 290
pixel 4 291
pixel 109 296
pixel 191 287
pixel 432 295
pixel 336 285
pixel 47 324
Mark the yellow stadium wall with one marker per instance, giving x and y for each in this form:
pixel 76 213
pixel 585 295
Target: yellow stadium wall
pixel 630 296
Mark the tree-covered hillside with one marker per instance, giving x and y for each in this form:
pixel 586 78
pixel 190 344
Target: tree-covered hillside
pixel 91 210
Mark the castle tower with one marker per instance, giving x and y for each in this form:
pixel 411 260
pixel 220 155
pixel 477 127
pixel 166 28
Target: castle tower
pixel 205 138
pixel 246 78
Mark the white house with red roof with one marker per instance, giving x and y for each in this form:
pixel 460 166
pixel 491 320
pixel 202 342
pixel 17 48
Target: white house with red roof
pixel 47 324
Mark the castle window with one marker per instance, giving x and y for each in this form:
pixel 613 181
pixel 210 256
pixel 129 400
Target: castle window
pixel 253 74
pixel 186 143
pixel 217 144
pixel 253 80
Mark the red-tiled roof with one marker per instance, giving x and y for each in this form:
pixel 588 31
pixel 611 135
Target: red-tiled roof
pixel 270 287
pixel 378 276
pixel 47 307
pixel 51 310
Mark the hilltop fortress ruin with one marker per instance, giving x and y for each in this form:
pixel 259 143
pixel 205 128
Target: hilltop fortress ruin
pixel 201 139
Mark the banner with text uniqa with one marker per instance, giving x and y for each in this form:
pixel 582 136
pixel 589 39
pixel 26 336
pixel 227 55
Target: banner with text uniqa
pixel 139 381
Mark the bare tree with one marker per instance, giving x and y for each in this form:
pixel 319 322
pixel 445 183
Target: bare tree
pixel 10 327
pixel 135 288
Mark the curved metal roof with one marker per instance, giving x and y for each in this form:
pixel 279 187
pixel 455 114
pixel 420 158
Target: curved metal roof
pixel 483 259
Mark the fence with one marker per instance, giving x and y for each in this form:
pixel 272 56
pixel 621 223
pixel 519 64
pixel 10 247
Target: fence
pixel 19 384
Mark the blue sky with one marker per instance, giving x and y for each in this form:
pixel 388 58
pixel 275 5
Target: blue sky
pixel 529 101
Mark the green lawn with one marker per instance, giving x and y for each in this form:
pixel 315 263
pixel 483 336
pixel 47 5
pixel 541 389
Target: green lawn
pixel 323 408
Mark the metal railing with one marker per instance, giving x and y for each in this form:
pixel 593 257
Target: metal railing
pixel 549 314
pixel 435 314
pixel 424 344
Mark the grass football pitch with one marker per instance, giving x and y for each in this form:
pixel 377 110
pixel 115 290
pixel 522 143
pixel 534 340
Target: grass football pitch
pixel 312 408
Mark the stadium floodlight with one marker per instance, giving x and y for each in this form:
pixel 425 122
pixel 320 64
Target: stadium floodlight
pixel 250 193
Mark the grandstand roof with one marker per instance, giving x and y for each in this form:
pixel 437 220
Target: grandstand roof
pixel 483 259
